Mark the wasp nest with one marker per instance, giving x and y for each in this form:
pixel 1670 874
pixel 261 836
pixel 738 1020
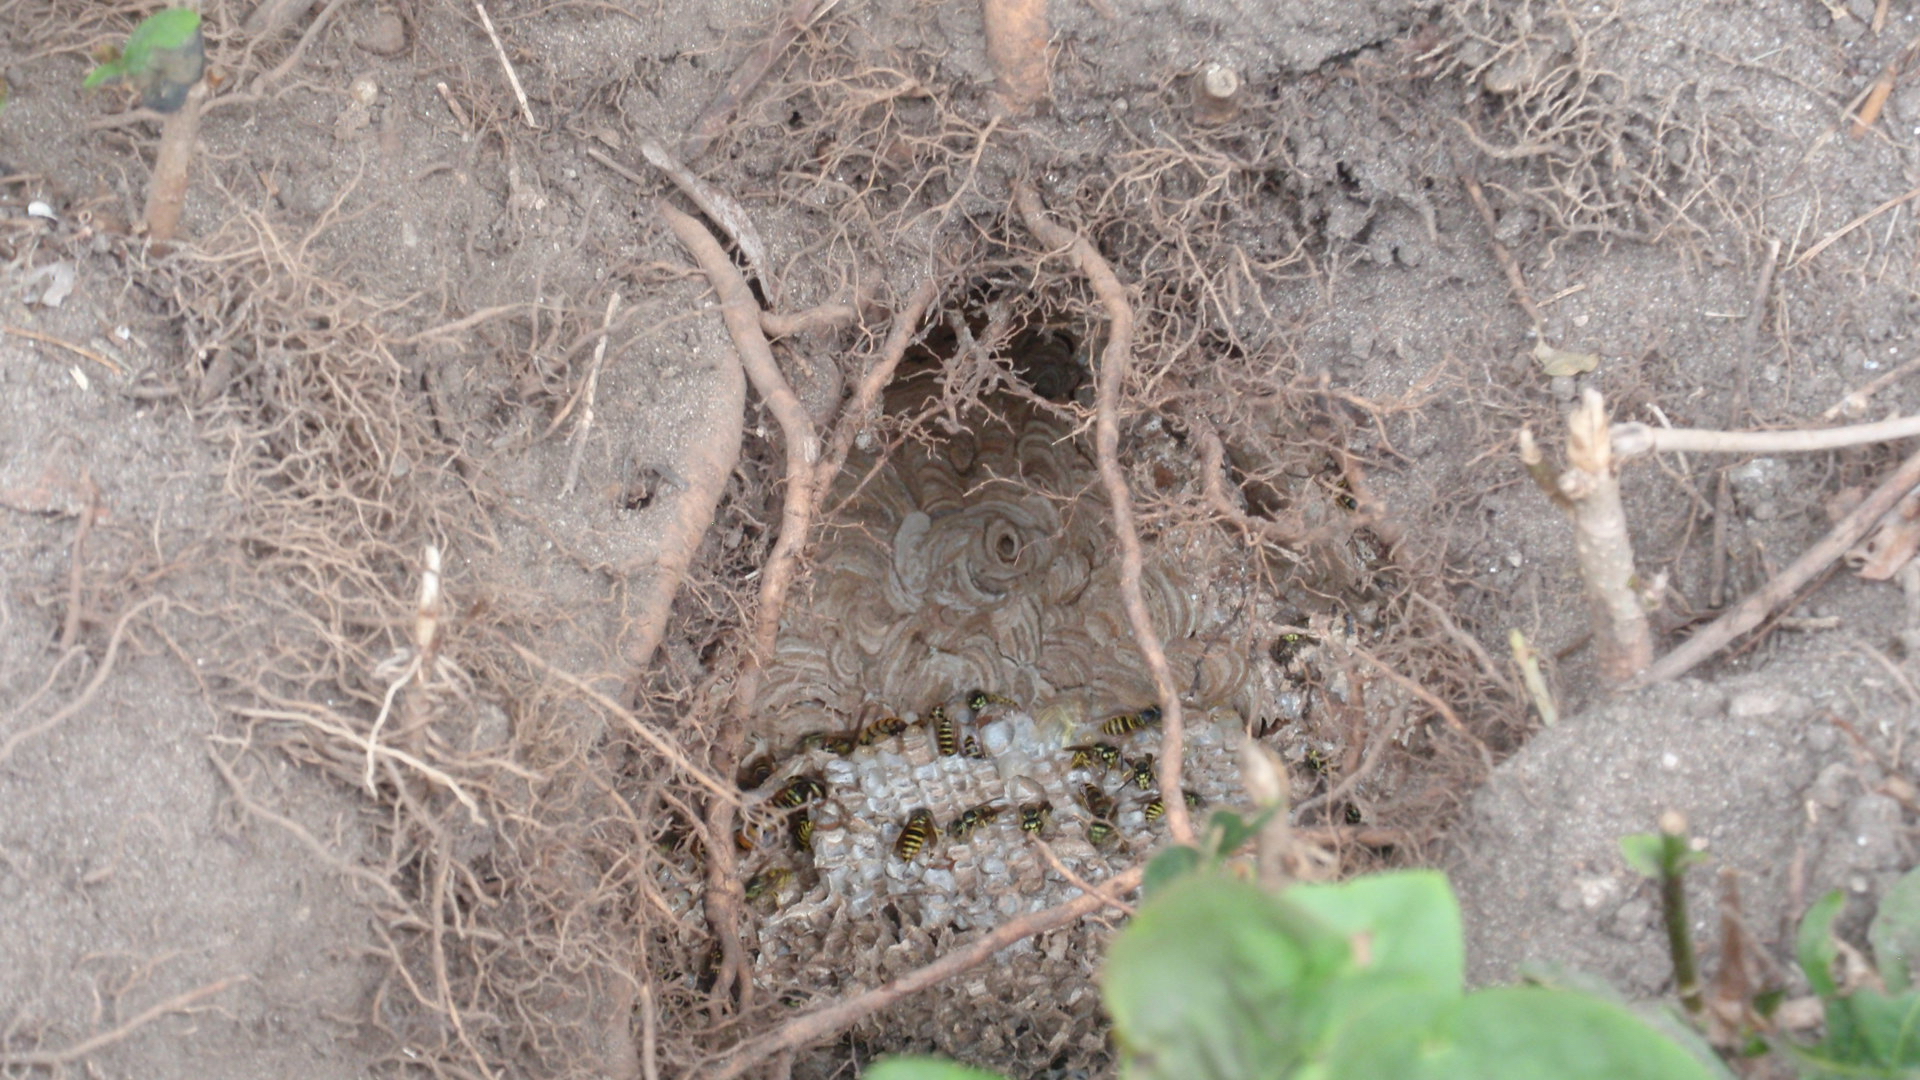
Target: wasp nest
pixel 961 677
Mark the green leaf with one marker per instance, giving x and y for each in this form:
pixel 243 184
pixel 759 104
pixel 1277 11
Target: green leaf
pixel 1815 948
pixel 1403 923
pixel 1216 980
pixel 925 1068
pixel 1167 867
pixel 1642 852
pixel 1226 832
pixel 1383 1025
pixel 165 55
pixel 106 73
pixel 1869 1034
pixel 173 28
pixel 1895 932
pixel 1528 1033
pixel 1890 1026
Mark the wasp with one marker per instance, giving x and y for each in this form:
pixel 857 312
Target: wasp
pixel 1097 802
pixel 946 734
pixel 768 882
pixel 1086 756
pixel 1141 772
pixel 970 747
pixel 1127 723
pixel 1100 807
pixel 915 834
pixel 755 772
pixel 1318 761
pixel 973 818
pixel 1035 815
pixel 1286 649
pixel 979 700
pixel 1156 806
pixel 833 742
pixel 800 825
pixel 754 833
pixel 881 730
pixel 800 791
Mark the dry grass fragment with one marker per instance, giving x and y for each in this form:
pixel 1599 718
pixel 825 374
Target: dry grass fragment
pixel 77 350
pixel 513 77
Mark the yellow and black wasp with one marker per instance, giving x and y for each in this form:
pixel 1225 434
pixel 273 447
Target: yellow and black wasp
pixel 915 834
pixel 768 883
pixel 972 819
pixel 881 730
pixel 970 747
pixel 755 832
pixel 800 826
pixel 1103 755
pixel 1140 771
pixel 1127 723
pixel 946 733
pixel 979 700
pixel 1156 807
pixel 1100 808
pixel 1034 816
pixel 799 791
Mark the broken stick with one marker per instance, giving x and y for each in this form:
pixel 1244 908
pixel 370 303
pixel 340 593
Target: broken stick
pixel 1750 612
pixel 1600 539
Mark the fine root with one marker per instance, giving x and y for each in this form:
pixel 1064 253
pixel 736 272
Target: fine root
pixel 1114 362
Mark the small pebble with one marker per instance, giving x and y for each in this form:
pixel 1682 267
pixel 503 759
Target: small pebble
pixel 386 35
pixel 1753 704
pixel 1630 923
pixel 1834 784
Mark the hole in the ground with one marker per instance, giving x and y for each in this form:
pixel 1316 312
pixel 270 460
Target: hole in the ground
pixel 959 670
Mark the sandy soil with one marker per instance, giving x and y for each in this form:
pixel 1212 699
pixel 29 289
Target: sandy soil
pixel 221 468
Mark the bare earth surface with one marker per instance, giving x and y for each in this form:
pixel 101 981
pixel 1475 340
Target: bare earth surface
pixel 249 826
